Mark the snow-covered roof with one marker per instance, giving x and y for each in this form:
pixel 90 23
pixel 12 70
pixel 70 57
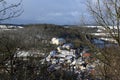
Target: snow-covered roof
pixel 68 45
pixel 68 57
pixel 86 54
pixel 28 53
pixel 53 53
pixel 61 55
pixel 66 52
pixel 22 54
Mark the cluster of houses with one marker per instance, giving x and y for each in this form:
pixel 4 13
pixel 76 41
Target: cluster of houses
pixel 66 57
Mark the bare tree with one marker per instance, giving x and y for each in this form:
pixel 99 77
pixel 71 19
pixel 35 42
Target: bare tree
pixel 107 14
pixel 8 11
pixel 8 43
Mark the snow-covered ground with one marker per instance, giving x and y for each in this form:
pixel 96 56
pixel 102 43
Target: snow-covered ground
pixel 9 27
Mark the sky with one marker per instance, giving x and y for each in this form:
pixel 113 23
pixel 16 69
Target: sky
pixel 63 12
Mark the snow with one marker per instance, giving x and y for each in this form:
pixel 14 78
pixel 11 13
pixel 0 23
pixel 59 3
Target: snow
pixel 58 41
pixel 23 54
pixel 9 27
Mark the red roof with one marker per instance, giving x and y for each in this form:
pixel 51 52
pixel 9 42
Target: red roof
pixel 86 54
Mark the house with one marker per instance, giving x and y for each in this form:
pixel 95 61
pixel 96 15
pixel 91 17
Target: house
pixel 66 52
pixel 59 48
pixel 58 41
pixel 69 58
pixel 68 46
pixel 87 55
pixel 53 53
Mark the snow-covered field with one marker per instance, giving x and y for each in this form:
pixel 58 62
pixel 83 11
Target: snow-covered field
pixel 9 27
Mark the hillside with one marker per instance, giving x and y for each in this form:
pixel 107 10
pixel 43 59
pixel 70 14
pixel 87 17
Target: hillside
pixel 38 36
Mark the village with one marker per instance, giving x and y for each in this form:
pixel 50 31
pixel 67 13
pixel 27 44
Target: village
pixel 60 40
pixel 66 57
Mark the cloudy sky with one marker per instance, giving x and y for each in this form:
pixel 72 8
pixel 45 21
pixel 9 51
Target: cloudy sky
pixel 52 11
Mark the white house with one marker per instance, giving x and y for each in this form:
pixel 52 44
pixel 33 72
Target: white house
pixel 59 48
pixel 58 41
pixel 68 46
